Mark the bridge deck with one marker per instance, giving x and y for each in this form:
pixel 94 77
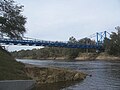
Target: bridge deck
pixel 48 43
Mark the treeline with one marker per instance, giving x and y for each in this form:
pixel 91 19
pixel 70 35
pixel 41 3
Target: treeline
pixel 111 46
pixel 53 52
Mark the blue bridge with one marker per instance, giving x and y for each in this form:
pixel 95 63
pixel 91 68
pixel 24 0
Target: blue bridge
pixel 98 45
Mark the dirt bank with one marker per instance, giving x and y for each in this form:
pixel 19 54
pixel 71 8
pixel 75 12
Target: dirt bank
pixel 84 56
pixel 105 56
pixel 52 75
pixel 12 70
pixel 96 56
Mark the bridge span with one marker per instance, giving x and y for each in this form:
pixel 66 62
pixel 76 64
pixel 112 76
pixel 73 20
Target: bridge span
pixel 98 46
pixel 47 43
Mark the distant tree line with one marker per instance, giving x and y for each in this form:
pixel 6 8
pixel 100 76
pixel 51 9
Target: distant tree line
pixel 46 52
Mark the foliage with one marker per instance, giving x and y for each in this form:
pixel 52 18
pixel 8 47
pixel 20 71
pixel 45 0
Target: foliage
pixel 112 45
pixel 12 22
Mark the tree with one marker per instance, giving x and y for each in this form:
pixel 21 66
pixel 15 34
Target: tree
pixel 114 48
pixel 72 40
pixel 12 22
pixel 106 44
pixel 2 20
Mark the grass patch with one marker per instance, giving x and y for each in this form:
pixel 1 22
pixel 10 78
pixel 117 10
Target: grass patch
pixel 9 68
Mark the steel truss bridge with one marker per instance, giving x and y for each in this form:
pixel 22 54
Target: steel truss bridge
pixel 33 42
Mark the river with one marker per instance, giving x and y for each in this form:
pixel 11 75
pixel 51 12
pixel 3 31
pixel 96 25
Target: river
pixel 105 74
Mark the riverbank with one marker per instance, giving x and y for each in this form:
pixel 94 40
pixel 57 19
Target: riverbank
pixel 96 56
pixel 10 69
pixel 105 56
pixel 43 75
pixel 83 56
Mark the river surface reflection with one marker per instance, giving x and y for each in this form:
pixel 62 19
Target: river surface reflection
pixel 105 74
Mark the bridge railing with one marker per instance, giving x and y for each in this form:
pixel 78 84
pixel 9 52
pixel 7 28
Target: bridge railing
pixel 48 43
pixel 36 42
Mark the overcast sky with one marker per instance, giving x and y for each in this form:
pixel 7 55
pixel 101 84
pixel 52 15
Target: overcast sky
pixel 57 20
